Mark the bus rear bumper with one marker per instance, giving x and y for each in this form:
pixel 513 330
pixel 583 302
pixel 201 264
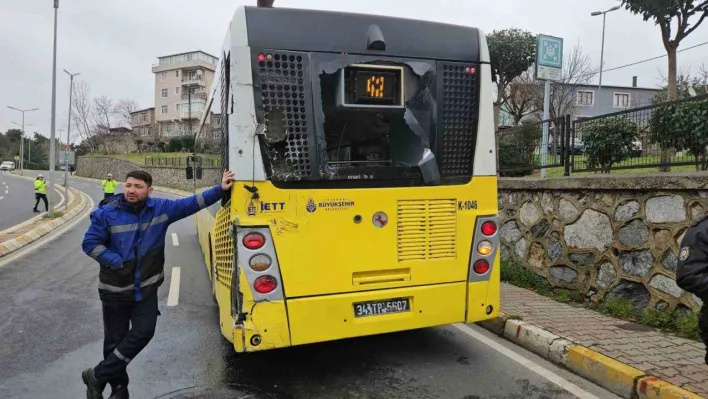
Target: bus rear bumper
pixel 331 317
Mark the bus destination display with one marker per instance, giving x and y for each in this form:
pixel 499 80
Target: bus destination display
pixel 371 86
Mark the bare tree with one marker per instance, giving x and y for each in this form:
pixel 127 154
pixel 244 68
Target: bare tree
pixel 82 114
pixel 522 97
pixel 123 109
pixel 684 86
pixel 104 112
pixel 578 71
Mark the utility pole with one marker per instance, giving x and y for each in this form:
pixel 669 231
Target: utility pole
pixel 22 136
pixel 52 136
pixel 68 139
pixel 29 145
pixel 602 53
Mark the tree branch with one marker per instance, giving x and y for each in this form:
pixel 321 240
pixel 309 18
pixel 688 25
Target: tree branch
pixel 665 33
pixel 688 32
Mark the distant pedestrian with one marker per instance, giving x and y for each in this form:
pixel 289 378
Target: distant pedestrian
pixel 40 193
pixel 692 271
pixel 127 239
pixel 109 186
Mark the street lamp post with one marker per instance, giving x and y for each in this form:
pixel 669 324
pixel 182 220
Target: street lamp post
pixel 68 138
pixel 602 53
pixel 22 136
pixel 52 133
pixel 29 146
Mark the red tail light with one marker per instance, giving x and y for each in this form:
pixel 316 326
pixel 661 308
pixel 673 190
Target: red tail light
pixel 481 266
pixel 253 240
pixel 489 228
pixel 265 284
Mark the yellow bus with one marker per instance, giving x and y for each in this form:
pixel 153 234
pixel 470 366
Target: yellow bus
pixel 366 193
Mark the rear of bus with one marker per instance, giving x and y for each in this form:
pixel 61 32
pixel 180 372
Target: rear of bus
pixel 366 199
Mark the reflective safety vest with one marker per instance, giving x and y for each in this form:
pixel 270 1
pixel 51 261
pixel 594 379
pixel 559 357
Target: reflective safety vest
pixel 40 186
pixel 109 186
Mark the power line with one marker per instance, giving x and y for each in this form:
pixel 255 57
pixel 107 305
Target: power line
pixel 638 62
pixel 653 58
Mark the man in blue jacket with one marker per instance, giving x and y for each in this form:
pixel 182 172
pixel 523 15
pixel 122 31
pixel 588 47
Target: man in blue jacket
pixel 127 239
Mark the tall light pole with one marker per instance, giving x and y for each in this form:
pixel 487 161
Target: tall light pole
pixel 22 136
pixel 602 53
pixel 29 146
pixel 68 139
pixel 29 159
pixel 52 133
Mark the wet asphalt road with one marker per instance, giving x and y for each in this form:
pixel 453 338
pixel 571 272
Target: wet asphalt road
pixel 50 329
pixel 17 199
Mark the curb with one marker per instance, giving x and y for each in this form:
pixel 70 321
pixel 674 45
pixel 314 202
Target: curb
pixel 618 378
pixel 38 232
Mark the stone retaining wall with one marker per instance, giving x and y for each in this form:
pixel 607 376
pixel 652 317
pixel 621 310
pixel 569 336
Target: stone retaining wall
pixel 174 177
pixel 605 236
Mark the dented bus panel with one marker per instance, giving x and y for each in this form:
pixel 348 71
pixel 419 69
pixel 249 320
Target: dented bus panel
pixel 366 193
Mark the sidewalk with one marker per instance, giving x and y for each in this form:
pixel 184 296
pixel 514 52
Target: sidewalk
pixel 675 360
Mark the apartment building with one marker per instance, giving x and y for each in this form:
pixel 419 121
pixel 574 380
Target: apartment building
pixel 587 101
pixel 590 101
pixel 143 124
pixel 182 82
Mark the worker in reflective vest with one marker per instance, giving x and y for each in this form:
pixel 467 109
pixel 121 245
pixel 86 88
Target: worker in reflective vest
pixel 109 186
pixel 40 193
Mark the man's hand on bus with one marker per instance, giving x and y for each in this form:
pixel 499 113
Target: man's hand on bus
pixel 227 180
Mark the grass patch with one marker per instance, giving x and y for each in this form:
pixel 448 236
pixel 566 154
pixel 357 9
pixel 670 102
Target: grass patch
pixel 686 325
pixel 681 323
pixel 514 317
pixel 515 274
pixel 56 214
pixel 580 161
pixel 658 319
pixel 562 295
pixel 619 308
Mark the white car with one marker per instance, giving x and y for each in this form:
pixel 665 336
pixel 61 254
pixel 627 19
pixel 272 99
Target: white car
pixel 7 165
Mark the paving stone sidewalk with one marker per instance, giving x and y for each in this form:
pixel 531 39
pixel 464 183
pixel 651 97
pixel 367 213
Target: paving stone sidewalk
pixel 676 360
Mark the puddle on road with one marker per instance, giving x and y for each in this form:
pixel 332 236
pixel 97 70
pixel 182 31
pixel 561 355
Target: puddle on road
pixel 227 392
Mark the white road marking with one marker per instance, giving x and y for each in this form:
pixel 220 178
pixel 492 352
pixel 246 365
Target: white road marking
pixel 175 240
pixel 2 197
pixel 173 297
pixel 535 367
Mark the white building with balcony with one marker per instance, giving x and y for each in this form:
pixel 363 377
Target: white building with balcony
pixel 181 85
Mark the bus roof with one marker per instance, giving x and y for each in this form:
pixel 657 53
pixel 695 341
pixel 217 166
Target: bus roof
pixel 338 32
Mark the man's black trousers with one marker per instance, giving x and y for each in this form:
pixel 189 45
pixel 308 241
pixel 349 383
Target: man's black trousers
pixel 42 197
pixel 128 327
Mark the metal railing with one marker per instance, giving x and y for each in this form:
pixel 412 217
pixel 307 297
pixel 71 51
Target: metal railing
pixel 520 148
pixel 193 78
pixel 180 161
pixel 195 96
pixel 656 136
pixel 653 138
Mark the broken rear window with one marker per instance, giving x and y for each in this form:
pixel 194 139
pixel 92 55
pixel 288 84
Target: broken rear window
pixel 332 118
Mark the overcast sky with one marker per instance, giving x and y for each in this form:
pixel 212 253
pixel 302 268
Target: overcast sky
pixel 113 43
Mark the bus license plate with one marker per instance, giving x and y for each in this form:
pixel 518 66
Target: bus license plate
pixel 376 308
